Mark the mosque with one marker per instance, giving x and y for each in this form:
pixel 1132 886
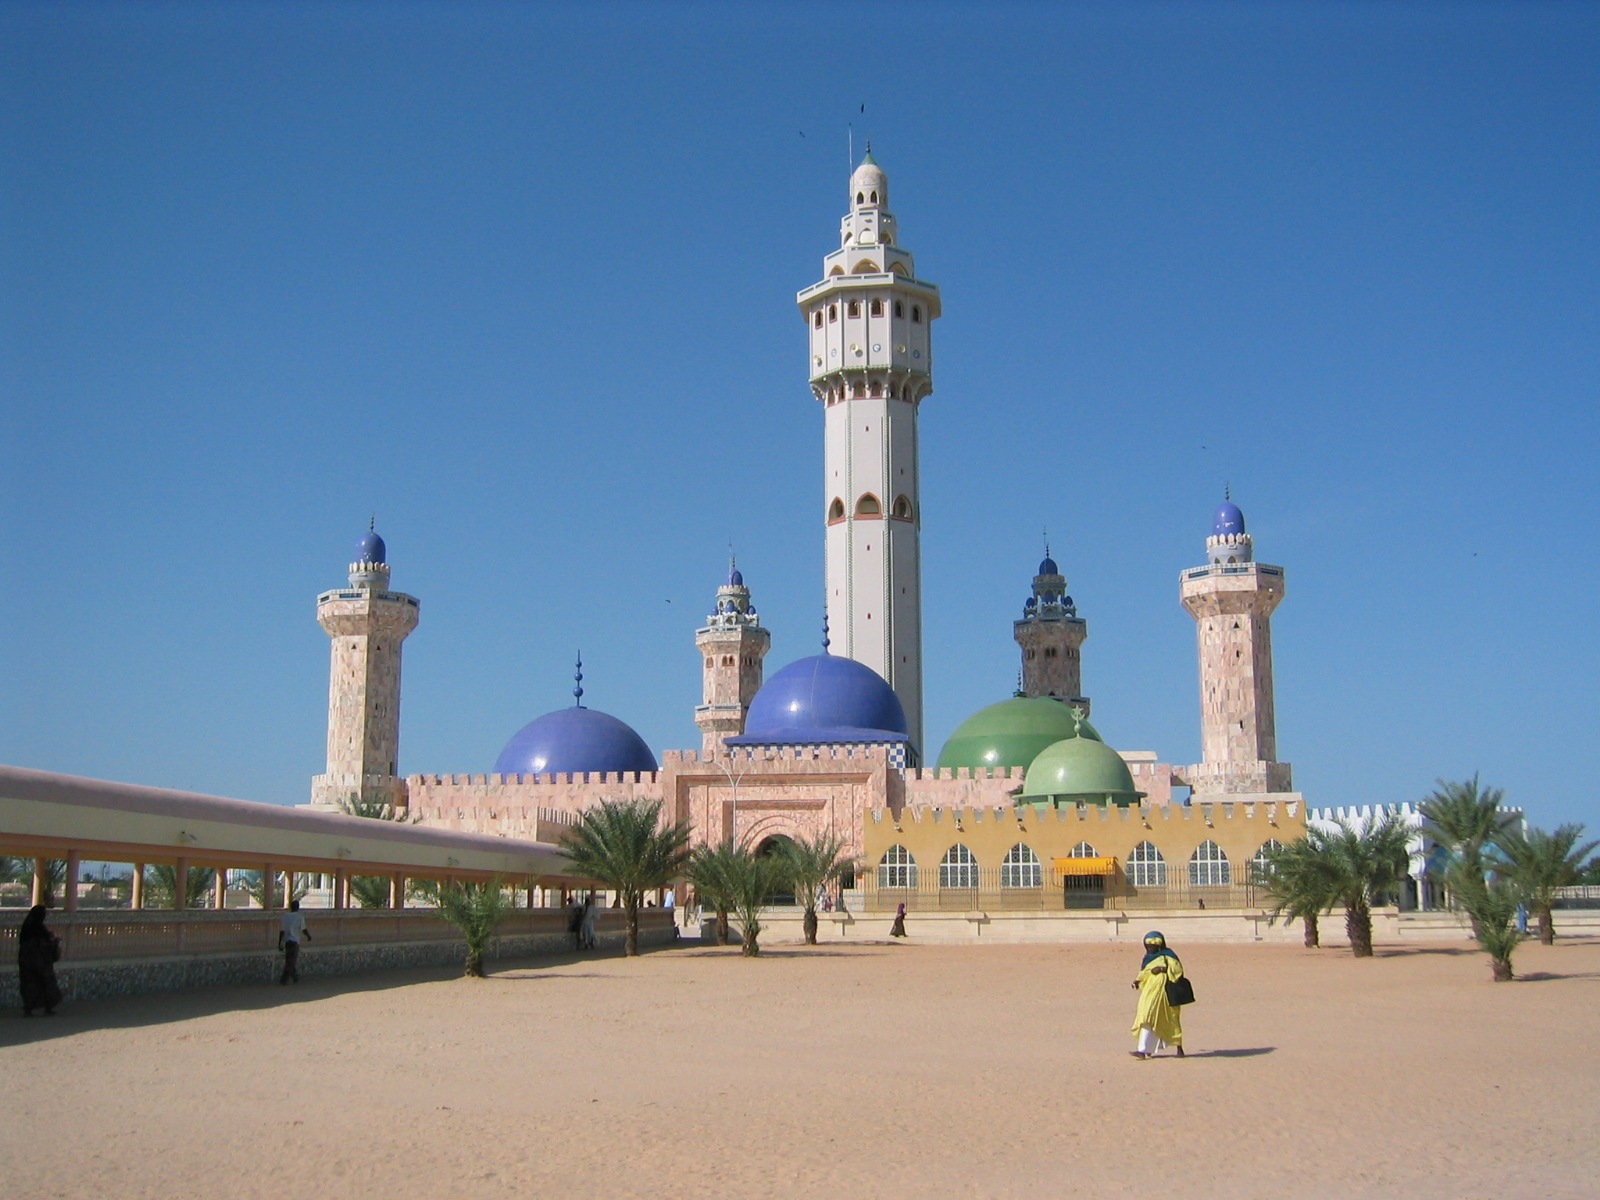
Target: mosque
pixel 1025 805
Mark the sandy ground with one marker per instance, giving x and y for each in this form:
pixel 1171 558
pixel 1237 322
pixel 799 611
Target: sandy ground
pixel 988 1071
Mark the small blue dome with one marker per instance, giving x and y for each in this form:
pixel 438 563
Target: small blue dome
pixel 1048 567
pixel 370 549
pixel 823 699
pixel 574 739
pixel 735 579
pixel 1227 520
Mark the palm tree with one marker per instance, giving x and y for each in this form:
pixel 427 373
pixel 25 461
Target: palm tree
pixel 1465 818
pixel 623 844
pixel 1300 881
pixel 1493 909
pixel 1364 865
pixel 1537 863
pixel 710 871
pixel 752 880
pixel 813 863
pixel 251 882
pixel 476 909
pixel 161 885
pixel 370 891
pixel 20 870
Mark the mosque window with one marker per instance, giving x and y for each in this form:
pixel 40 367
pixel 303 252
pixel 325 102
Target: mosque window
pixel 868 506
pixel 1083 850
pixel 853 309
pixel 874 197
pixel 1020 868
pixel 1146 867
pixel 916 314
pixel 836 510
pixel 1209 866
pixel 866 267
pixel 876 308
pixel 833 312
pixel 837 270
pixel 958 868
pixel 897 869
pixel 902 508
pixel 877 391
pixel 710 662
pixel 816 319
pixel 899 309
pixel 861 197
pixel 1262 866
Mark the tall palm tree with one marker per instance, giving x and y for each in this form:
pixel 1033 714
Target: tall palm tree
pixel 1537 863
pixel 813 863
pixel 20 870
pixel 1465 818
pixel 1299 879
pixel 752 880
pixel 161 885
pixel 710 870
pixel 476 909
pixel 1364 865
pixel 624 845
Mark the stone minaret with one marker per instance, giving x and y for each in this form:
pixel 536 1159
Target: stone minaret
pixel 1051 635
pixel 1231 599
pixel 871 365
pixel 733 644
pixel 367 623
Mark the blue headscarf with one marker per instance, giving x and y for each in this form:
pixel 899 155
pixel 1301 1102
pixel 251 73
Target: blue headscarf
pixel 1160 951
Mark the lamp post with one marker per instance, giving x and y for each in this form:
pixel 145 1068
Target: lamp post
pixel 733 783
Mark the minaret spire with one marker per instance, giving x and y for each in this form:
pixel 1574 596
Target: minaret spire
pixel 871 356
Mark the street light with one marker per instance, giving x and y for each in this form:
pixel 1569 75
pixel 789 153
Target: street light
pixel 733 783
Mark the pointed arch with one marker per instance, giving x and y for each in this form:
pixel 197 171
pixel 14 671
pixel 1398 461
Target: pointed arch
pixel 897 868
pixel 866 267
pixel 902 508
pixel 1146 867
pixel 1261 864
pixel 1083 850
pixel 869 506
pixel 1020 868
pixel 958 869
pixel 1209 866
pixel 836 510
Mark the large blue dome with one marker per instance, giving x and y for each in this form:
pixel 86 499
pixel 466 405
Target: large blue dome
pixel 574 740
pixel 823 699
pixel 1227 520
pixel 370 549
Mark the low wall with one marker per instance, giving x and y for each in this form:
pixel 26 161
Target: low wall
pixel 341 944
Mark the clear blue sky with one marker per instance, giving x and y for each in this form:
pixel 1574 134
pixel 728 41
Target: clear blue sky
pixel 521 279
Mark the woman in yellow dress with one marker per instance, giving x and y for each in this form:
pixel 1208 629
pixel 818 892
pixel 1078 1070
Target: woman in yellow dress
pixel 1156 1022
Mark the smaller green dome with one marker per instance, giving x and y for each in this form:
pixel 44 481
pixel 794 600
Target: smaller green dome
pixel 1012 733
pixel 1079 771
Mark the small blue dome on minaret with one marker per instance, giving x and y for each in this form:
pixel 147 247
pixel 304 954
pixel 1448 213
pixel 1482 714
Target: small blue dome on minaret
pixel 1048 567
pixel 735 577
pixel 1227 520
pixel 370 549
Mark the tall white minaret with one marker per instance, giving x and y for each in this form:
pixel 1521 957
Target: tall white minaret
pixel 871 365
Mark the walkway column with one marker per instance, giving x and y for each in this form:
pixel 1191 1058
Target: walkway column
pixel 397 891
pixel 341 881
pixel 41 868
pixel 180 884
pixel 288 887
pixel 220 889
pixel 269 882
pixel 136 894
pixel 74 861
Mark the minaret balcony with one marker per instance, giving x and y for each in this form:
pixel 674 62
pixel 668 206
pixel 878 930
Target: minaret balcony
pixel 1250 568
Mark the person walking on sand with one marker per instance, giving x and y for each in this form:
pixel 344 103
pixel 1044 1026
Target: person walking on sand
pixel 898 929
pixel 1156 1021
pixel 586 936
pixel 38 951
pixel 575 923
pixel 291 931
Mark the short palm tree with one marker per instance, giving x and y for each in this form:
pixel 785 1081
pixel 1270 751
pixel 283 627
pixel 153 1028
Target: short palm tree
pixel 814 863
pixel 1537 863
pixel 476 909
pixel 1364 866
pixel 753 879
pixel 1299 879
pixel 370 891
pixel 161 885
pixel 710 870
pixel 1493 910
pixel 624 845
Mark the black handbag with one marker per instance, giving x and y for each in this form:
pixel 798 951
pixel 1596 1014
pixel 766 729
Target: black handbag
pixel 1180 991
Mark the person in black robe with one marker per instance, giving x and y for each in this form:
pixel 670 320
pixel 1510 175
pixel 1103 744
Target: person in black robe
pixel 898 929
pixel 37 952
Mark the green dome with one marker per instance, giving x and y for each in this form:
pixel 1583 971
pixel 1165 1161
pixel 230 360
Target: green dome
pixel 1079 771
pixel 1012 733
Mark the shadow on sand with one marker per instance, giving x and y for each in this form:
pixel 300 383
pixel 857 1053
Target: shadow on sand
pixel 1251 1052
pixel 157 1008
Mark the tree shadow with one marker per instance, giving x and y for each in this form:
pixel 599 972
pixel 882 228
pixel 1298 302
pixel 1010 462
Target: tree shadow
pixel 1409 951
pixel 1549 976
